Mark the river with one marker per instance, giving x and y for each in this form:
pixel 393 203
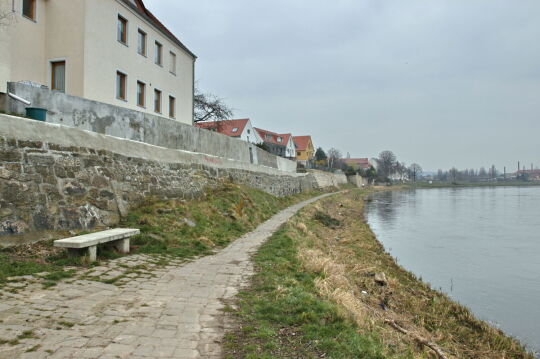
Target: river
pixel 479 245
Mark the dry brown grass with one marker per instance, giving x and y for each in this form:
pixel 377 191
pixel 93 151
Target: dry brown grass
pixel 346 260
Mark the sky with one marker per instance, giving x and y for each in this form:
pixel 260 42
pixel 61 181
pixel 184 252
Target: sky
pixel 439 82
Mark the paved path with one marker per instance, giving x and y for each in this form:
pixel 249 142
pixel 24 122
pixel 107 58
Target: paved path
pixel 150 312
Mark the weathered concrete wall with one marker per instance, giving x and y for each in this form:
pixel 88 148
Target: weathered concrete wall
pixel 138 126
pixel 327 179
pixel 56 177
pixel 358 180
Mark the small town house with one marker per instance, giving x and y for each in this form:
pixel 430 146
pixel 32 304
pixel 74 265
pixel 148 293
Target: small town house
pixel 278 144
pixel 305 151
pixel 242 129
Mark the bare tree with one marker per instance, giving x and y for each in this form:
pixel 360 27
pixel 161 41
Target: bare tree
pixel 401 170
pixel 386 164
pixel 334 157
pixel 415 171
pixel 209 107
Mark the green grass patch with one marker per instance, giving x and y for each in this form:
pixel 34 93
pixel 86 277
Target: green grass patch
pixel 169 229
pixel 283 317
pixel 181 229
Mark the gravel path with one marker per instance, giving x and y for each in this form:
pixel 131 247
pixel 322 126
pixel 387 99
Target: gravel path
pixel 150 312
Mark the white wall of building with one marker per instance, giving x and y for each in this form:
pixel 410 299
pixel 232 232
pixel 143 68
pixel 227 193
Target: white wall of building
pixel 250 134
pixel 84 34
pixel 104 56
pixel 290 150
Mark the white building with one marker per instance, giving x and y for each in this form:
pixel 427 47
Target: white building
pixel 242 129
pixel 111 51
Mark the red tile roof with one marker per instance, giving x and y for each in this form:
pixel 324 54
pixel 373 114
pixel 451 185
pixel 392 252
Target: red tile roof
pixel 361 162
pixel 274 138
pixel 301 142
pixel 140 8
pixel 225 127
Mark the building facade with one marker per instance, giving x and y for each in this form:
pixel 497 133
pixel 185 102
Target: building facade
pixel 305 151
pixel 242 129
pixel 111 51
pixel 278 144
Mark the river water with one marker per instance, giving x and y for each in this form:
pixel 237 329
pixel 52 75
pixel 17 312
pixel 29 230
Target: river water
pixel 480 245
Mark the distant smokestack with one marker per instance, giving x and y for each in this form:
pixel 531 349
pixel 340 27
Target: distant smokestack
pixel 519 166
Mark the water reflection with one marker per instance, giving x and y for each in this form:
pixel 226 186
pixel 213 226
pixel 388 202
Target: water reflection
pixel 479 245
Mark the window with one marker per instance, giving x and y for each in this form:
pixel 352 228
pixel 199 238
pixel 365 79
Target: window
pixel 157 101
pixel 141 43
pixel 58 76
pixel 172 107
pixel 268 136
pixel 159 53
pixel 280 139
pixel 234 130
pixel 29 9
pixel 122 30
pixel 141 94
pixel 121 80
pixel 173 63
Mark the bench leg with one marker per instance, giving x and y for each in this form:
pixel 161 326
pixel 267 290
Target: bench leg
pixel 92 253
pixel 122 246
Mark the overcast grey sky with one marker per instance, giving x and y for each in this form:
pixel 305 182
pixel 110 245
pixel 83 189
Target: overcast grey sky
pixel 439 82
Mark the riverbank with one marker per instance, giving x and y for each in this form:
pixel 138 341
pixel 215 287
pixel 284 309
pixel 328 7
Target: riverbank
pixel 469 184
pixel 326 288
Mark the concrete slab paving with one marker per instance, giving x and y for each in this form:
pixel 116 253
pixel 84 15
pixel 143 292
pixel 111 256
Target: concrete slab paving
pixel 175 313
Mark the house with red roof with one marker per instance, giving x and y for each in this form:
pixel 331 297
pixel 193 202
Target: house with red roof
pixel 358 163
pixel 305 151
pixel 242 129
pixel 111 51
pixel 278 144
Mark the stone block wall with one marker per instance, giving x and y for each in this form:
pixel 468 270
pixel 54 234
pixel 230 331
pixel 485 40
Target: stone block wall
pixel 327 179
pixel 55 177
pixel 358 180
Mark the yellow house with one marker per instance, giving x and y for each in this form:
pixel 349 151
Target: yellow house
pixel 111 51
pixel 305 151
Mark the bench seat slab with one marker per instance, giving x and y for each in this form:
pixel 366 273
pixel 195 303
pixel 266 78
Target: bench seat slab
pixel 93 239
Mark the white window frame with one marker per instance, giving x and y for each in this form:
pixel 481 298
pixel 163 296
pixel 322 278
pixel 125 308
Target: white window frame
pixel 35 20
pixel 139 32
pixel 127 30
pixel 173 62
pixel 59 59
pixel 116 86
pixel 158 45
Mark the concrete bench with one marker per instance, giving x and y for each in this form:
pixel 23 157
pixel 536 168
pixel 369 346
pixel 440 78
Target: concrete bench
pixel 118 237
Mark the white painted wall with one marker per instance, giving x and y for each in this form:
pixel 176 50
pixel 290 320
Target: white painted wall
pixel 84 34
pixel 250 134
pixel 104 56
pixel 290 149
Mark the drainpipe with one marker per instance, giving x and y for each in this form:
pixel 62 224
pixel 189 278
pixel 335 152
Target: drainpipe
pixel 20 99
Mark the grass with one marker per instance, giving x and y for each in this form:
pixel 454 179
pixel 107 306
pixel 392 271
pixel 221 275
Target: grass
pixel 221 216
pixel 169 229
pixel 283 317
pixel 317 278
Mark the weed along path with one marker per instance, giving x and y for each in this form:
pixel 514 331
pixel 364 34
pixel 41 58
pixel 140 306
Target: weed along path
pixel 151 311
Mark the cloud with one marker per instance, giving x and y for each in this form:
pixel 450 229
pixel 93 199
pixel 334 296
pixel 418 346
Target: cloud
pixel 442 83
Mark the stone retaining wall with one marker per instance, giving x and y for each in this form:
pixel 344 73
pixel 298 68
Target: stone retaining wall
pixel 54 177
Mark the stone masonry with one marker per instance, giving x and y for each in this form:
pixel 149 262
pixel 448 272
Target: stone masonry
pixel 44 186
